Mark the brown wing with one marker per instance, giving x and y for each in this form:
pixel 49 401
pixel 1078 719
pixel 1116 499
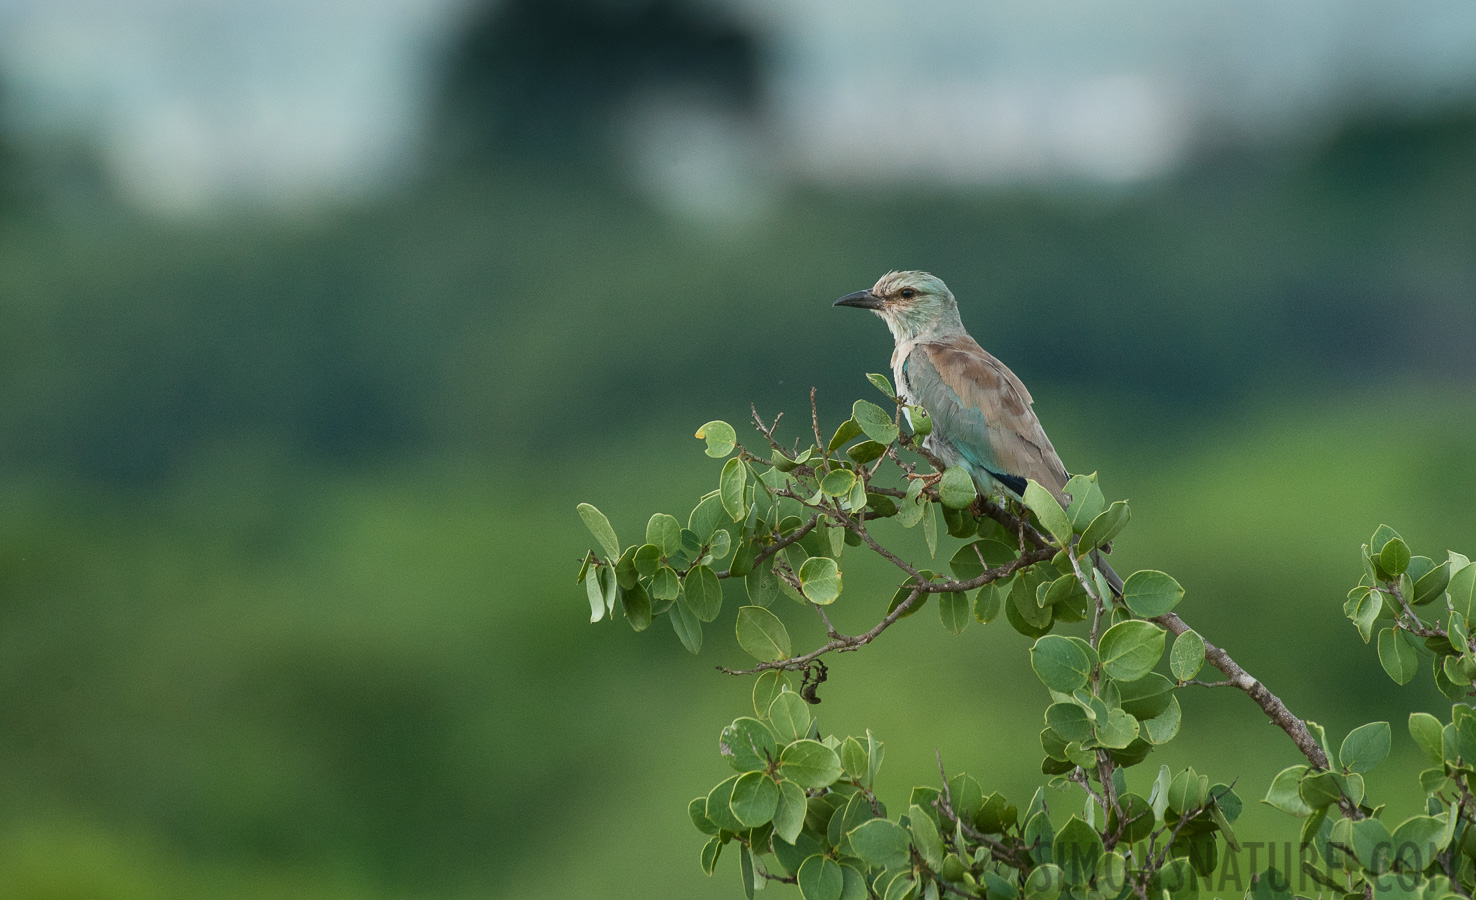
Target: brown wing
pixel 991 414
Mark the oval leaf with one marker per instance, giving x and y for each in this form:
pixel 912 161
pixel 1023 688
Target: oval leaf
pixel 1151 593
pixel 720 437
pixel 755 797
pixel 820 579
pixel 1046 508
pixel 1365 747
pixel 881 843
pixel 809 764
pixel 599 526
pixel 1060 664
pixel 1129 650
pixel 704 592
pixel 1187 656
pixel 956 488
pixel 762 635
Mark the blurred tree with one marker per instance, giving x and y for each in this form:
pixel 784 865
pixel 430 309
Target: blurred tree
pixel 548 78
pixel 10 184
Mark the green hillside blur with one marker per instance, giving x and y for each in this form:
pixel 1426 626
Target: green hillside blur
pixel 287 541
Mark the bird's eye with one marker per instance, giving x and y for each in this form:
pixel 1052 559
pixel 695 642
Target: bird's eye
pixel 908 293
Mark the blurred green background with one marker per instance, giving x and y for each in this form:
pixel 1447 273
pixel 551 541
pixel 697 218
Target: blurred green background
pixel 303 371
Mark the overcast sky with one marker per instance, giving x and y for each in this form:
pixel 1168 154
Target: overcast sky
pixel 222 100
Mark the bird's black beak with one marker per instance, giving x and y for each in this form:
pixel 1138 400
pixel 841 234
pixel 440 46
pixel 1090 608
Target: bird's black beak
pixel 860 300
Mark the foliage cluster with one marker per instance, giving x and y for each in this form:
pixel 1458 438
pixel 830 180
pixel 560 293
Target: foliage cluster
pixel 803 806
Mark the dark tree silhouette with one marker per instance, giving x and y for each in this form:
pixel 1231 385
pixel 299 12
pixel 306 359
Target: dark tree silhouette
pixel 546 78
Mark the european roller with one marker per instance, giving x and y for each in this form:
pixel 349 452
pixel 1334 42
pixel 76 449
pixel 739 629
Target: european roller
pixel 983 417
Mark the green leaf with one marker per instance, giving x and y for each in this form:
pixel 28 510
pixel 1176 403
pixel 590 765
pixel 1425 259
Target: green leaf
pixel 762 635
pixel 1372 845
pixel 821 580
pixel 1060 664
pixel 697 810
pixel 848 430
pixel 1117 731
pixel 1187 656
pixel 686 625
pixel 1269 885
pixel 748 745
pixel 707 516
pixel 953 609
pixel 637 606
pixel 665 585
pixel 883 384
pixel 710 852
pixel 720 438
pixel 1363 608
pixel 1070 721
pixel 647 559
pixel 1285 793
pixel 745 868
pixel 1397 655
pixel 1163 727
pixel 1420 838
pixel 1087 501
pixel 1076 850
pixel 1462 589
pixel 789 814
pixel 733 487
pixel 1151 593
pixel 853 758
pixel 930 529
pixel 1105 527
pixel 596 596
pixel 1188 791
pixel 1365 747
pixel 925 836
pixel 755 797
pixel 717 810
pixel 865 452
pixel 988 602
pixel 665 532
pixel 810 764
pixel 1321 790
pixel 920 420
pixel 1129 650
pixel 1145 698
pixel 875 421
pixel 599 526
pixel 765 688
pixel 762 585
pixel 970 560
pixel 956 488
pixel 1426 731
pixel 790 716
pixel 1046 508
pixel 881 843
pixel 1431 586
pixel 1394 558
pixel 704 593
pixel 1044 882
pixel 820 878
pixel 837 482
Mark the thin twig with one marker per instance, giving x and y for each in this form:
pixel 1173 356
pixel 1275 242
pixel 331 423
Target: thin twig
pixel 796 535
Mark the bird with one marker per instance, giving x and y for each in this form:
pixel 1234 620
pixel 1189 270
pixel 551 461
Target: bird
pixel 983 417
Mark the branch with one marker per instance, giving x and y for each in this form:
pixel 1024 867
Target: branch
pixel 845 643
pixel 944 804
pixel 795 535
pixel 1269 703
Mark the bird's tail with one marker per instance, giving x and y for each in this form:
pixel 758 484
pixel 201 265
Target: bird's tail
pixel 1113 579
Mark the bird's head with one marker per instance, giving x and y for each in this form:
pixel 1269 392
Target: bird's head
pixel 912 303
